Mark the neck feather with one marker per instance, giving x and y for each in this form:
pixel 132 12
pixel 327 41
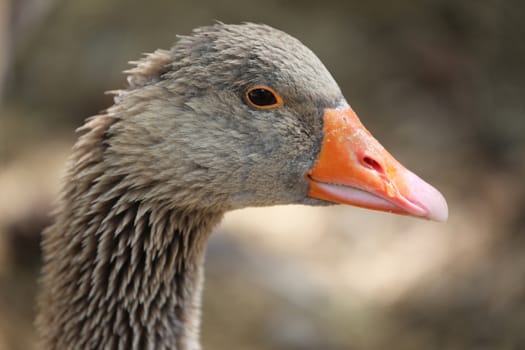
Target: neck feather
pixel 120 272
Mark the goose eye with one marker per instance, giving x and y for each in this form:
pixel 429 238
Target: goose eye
pixel 263 97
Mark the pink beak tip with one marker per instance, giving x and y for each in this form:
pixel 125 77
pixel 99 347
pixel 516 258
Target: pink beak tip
pixel 429 198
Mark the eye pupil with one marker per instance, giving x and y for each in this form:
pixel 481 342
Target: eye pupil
pixel 262 97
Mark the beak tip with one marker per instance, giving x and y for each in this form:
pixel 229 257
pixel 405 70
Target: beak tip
pixel 438 208
pixel 430 199
pixel 427 197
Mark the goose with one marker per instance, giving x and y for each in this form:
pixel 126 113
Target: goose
pixel 232 116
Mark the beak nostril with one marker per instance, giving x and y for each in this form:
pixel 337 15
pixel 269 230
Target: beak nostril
pixel 373 164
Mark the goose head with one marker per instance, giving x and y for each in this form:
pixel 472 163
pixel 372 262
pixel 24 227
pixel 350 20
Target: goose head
pixel 246 115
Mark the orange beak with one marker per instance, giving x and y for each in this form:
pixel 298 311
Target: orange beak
pixel 353 168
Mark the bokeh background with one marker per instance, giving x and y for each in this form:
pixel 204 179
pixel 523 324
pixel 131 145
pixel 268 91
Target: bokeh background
pixel 440 83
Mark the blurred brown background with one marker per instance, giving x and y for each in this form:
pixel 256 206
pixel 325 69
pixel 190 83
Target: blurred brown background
pixel 440 83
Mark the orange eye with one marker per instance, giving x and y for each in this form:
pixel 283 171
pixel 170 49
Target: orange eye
pixel 263 97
